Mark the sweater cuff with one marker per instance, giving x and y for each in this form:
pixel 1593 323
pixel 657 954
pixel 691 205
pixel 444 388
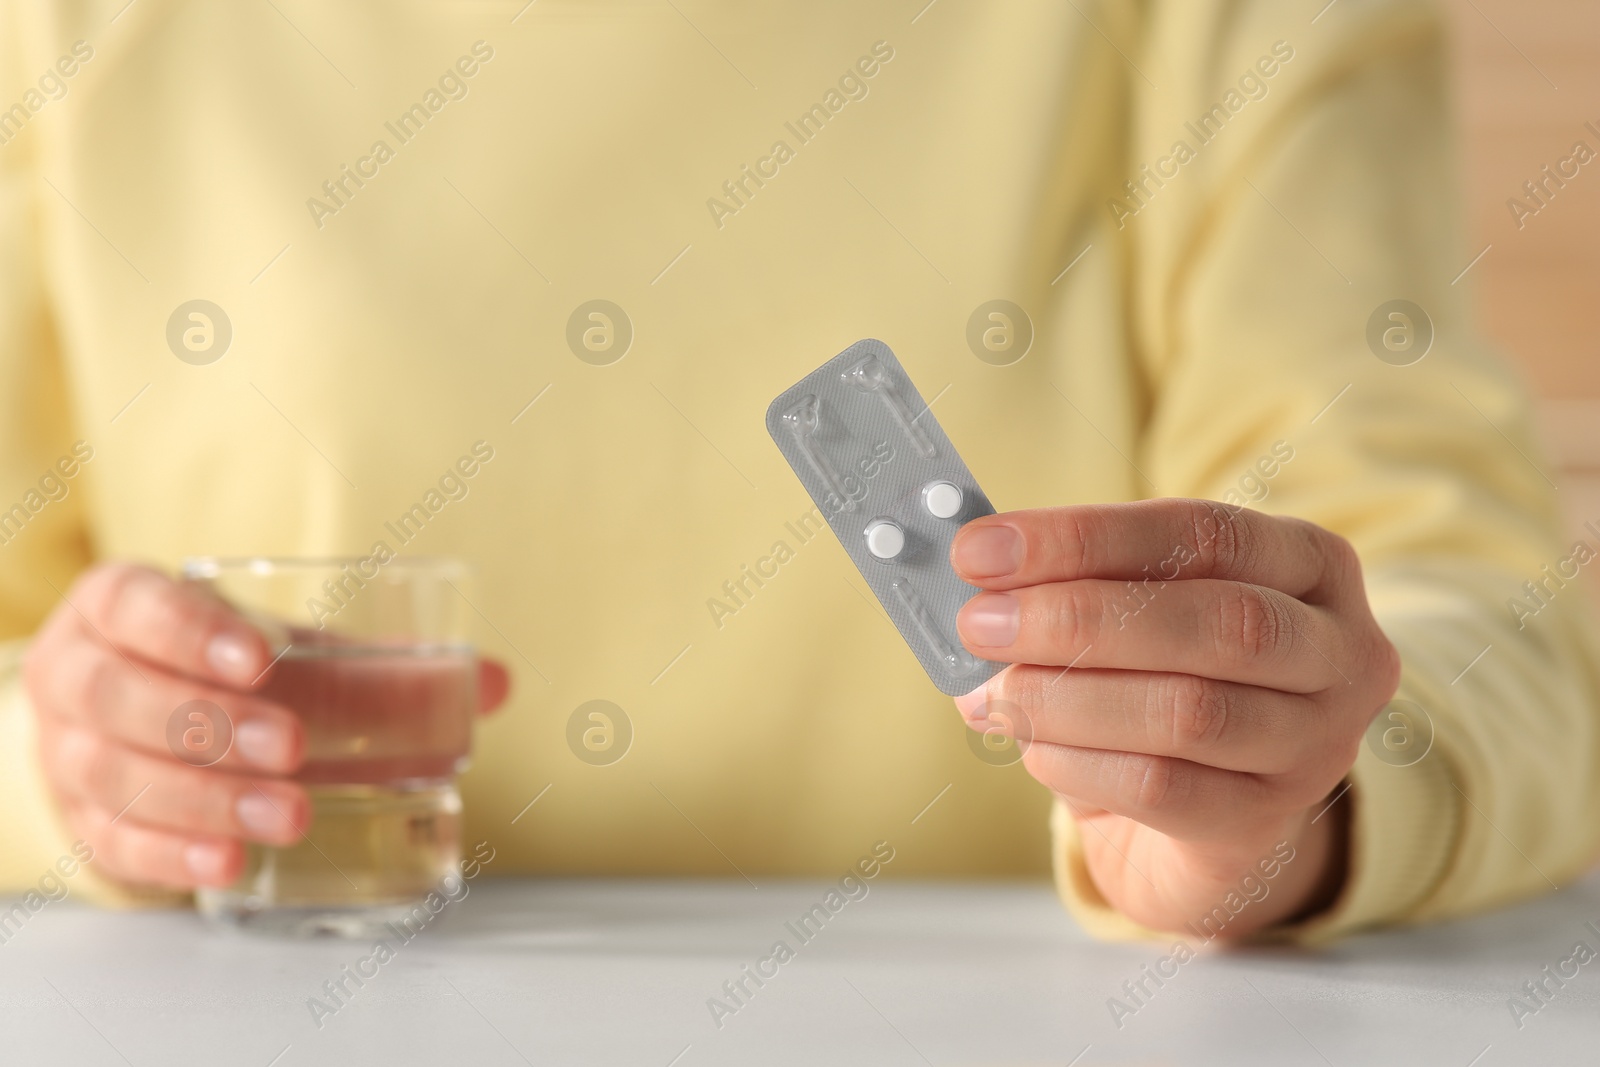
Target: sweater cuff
pixel 1404 825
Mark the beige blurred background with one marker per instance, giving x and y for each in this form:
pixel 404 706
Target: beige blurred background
pixel 1526 82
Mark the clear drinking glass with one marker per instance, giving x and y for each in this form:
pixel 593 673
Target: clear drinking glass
pixel 374 658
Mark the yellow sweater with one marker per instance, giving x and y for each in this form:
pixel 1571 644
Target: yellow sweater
pixel 400 209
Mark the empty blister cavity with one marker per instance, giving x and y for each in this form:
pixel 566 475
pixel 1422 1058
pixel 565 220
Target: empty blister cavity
pixel 870 376
pixel 802 420
pixel 958 661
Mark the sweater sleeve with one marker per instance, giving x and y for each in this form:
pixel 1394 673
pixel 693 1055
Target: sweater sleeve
pixel 44 475
pixel 1257 271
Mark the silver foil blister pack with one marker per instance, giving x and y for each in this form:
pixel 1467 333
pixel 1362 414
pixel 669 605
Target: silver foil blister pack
pixel 891 486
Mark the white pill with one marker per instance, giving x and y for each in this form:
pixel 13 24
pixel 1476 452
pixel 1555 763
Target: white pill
pixel 885 539
pixel 942 500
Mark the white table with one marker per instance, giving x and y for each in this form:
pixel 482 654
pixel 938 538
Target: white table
pixel 620 973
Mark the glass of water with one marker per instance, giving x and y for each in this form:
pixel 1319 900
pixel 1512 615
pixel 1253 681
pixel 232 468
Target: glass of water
pixel 373 656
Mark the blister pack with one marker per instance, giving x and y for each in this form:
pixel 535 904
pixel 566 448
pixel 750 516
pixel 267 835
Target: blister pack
pixel 891 486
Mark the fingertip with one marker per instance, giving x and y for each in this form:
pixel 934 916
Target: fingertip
pixel 989 622
pixel 274 743
pixel 974 705
pixel 213 863
pixel 299 813
pixel 986 551
pixel 238 655
pixel 274 813
pixel 494 685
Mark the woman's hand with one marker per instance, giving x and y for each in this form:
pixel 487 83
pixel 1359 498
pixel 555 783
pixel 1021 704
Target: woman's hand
pixel 105 675
pixel 1193 680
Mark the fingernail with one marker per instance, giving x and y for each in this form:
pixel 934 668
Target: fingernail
pixel 262 818
pixel 988 551
pixel 990 620
pixel 207 862
pixel 265 744
pixel 230 656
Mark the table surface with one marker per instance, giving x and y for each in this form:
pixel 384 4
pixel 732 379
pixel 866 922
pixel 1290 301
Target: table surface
pixel 614 972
